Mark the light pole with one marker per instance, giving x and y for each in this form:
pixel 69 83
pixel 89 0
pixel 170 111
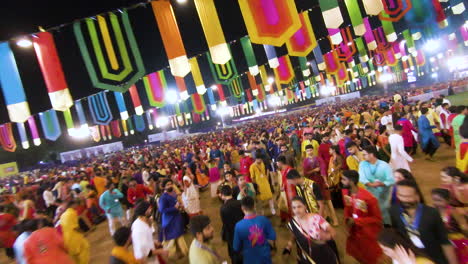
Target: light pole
pixel 223 111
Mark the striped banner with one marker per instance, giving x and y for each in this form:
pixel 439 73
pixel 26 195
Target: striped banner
pixel 136 100
pixel 139 123
pixel 23 135
pixel 50 125
pixel 34 131
pixel 155 86
pixel 7 140
pixel 99 108
pixel 121 105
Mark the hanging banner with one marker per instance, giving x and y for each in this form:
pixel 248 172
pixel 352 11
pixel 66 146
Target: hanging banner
pixel 211 98
pixel 12 87
pixel 126 67
pixel 171 38
pixel 369 36
pixel 136 100
pixel 331 13
pixel 363 57
pixel 236 87
pixel 270 22
pixel 104 132
pixel 34 131
pixel 421 15
pixel 115 128
pixel 198 103
pixel 331 61
pixel 23 135
pixel 69 121
pixel 219 49
pixel 356 17
pixel 409 41
pixel 303 41
pixel 334 35
pixel 388 28
pixel 52 71
pixel 319 58
pixel 130 125
pixel 121 105
pixel 197 76
pixel 304 67
pixel 149 118
pixel 180 82
pixel 458 6
pixel 441 19
pixel 124 127
pixel 155 86
pixel 249 55
pixel 346 49
pixel 99 108
pixel 394 10
pixel 50 125
pixel 7 139
pixel 373 7
pixel 420 58
pixel 284 73
pixel 271 56
pixel 94 131
pixel 223 73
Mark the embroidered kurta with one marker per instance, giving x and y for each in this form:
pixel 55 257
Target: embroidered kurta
pixel 110 203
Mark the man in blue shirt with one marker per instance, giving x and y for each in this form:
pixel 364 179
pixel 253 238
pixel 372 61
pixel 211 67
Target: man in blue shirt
pixel 254 236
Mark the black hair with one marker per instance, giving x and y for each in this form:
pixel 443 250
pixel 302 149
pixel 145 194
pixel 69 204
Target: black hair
pixel 389 238
pixel 398 127
pixel 140 209
pixel 165 182
pixel 382 129
pixel 109 184
pixel 464 128
pixel 371 150
pixel 309 147
pixel 293 174
pixel 121 236
pixel 424 110
pixel 351 144
pixel 455 172
pixel 248 203
pixel 299 199
pixel 28 225
pixel 226 190
pixel 241 152
pixel 444 193
pixel 352 175
pixel 258 155
pixel 281 159
pixel 409 183
pixel 198 223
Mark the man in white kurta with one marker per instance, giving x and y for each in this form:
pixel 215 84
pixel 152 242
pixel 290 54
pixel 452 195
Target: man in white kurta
pixel 399 157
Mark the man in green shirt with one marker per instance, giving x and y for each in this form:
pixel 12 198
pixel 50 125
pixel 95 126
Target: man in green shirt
pixel 201 250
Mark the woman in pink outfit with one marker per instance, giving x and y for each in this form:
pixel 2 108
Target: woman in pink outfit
pixel 407 134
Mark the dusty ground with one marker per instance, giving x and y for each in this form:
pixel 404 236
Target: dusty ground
pixel 426 173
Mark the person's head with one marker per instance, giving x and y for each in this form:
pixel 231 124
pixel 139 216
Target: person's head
pixel 402 174
pixel 226 192
pixel 132 183
pixel 388 240
pixel 168 185
pixel 452 175
pixel 309 150
pixel 445 106
pixel 462 109
pixel 187 181
pixel 352 148
pixel 424 110
pixel 283 148
pixel 440 197
pixel 28 225
pixel 334 150
pixel 259 159
pixel 298 206
pixel 241 180
pixel 110 186
pixel 398 128
pixel 382 130
pixel 350 179
pixel 368 130
pixel 326 137
pixel 228 176
pixel 142 209
pixel 293 177
pixel 308 136
pixel 408 194
pixel 122 236
pixel 370 154
pixel 226 166
pixel 281 161
pixel 248 204
pixel 201 228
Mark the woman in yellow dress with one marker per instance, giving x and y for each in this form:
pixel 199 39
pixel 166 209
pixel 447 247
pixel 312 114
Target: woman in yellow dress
pixel 259 177
pixel 75 242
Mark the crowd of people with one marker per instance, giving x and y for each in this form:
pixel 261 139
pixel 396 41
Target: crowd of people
pixel 299 166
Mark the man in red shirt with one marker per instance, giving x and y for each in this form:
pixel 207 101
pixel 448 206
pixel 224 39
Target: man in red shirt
pixel 7 235
pixel 137 191
pixel 245 163
pixel 324 150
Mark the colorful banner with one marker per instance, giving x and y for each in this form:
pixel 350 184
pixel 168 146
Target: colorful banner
pixel 121 105
pixel 369 36
pixel 270 22
pixel 50 125
pixel 303 41
pixel 7 140
pixel 331 13
pixel 373 7
pixel 156 87
pixel 249 55
pixel 180 82
pixel 331 61
pixel 136 100
pixel 69 121
pixel 198 103
pixel 170 35
pixel 388 28
pixel 319 58
pixel 284 73
pixel 23 135
pixel 34 131
pixel 118 78
pixel 223 73
pixel 356 17
pixel 236 87
pixel 12 87
pixel 139 123
pixel 52 71
pixel 219 49
pixel 197 76
pixel 94 131
pixel 99 108
pixel 115 128
pixel 394 10
pixel 271 56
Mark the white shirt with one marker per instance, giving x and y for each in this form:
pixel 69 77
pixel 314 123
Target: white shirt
pixel 142 239
pixel 48 197
pixel 191 200
pixel 387 121
pixel 399 157
pixel 146 177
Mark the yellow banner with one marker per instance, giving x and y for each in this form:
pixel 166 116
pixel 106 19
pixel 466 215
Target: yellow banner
pixel 8 169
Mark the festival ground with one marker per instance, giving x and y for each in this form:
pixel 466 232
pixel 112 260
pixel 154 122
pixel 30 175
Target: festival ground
pixel 426 173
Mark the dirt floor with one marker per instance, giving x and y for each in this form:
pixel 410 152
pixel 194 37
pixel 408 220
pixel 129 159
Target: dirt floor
pixel 426 173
